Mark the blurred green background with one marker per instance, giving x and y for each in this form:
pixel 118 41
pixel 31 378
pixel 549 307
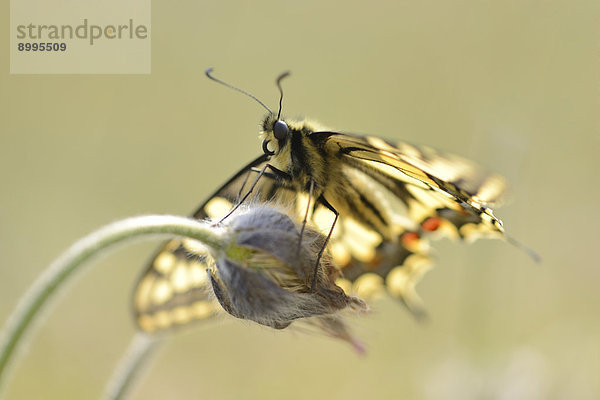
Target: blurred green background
pixel 511 84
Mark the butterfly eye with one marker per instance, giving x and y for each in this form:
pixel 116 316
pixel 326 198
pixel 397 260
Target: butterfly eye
pixel 266 148
pixel 280 130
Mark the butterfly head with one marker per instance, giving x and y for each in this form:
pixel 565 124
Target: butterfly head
pixel 276 132
pixel 275 135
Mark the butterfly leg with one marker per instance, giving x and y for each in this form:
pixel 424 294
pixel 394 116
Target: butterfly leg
pixel 337 214
pixel 310 194
pixel 246 181
pixel 239 203
pixel 277 174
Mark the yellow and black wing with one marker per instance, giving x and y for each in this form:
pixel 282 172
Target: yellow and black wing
pixel 415 193
pixel 425 176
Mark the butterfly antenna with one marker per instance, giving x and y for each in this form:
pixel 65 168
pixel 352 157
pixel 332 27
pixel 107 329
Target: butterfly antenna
pixel 531 253
pixel 278 81
pixel 208 73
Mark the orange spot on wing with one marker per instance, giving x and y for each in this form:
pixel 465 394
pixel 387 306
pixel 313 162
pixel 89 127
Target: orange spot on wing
pixel 431 224
pixel 409 238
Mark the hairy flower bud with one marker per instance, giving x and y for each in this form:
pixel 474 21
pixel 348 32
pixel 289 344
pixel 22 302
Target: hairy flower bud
pixel 265 274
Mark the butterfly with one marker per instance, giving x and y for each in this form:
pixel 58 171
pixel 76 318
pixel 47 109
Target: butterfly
pixel 379 203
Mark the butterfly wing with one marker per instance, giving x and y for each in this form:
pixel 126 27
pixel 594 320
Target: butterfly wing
pixel 392 200
pixel 457 189
pixel 174 289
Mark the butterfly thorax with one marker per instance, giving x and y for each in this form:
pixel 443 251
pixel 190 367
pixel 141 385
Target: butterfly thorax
pixel 297 154
pixel 302 154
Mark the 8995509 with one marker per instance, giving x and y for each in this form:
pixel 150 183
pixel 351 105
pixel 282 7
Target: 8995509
pixel 48 46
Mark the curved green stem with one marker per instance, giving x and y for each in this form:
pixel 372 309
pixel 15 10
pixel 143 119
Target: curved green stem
pixel 71 260
pixel 130 366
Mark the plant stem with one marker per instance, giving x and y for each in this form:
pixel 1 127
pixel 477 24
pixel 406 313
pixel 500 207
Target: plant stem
pixel 129 367
pixel 71 260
